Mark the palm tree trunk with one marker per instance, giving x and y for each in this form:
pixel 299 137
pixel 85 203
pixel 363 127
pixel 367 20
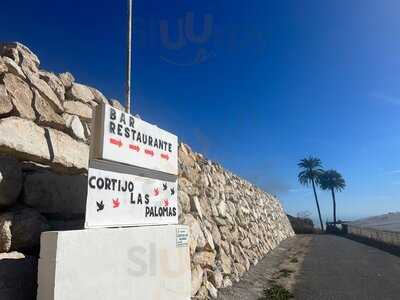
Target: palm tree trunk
pixel 316 201
pixel 334 206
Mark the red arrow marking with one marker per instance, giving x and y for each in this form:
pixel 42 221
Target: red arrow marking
pixel 116 142
pixel 134 147
pixel 149 152
pixel 165 156
pixel 116 203
pixel 156 192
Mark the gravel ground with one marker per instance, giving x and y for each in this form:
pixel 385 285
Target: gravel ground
pixel 288 256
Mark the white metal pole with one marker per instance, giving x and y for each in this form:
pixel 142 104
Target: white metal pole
pixel 129 60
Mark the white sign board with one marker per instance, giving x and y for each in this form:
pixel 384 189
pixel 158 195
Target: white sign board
pixel 117 199
pixel 123 138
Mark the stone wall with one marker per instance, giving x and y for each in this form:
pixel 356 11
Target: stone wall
pixel 45 124
pixel 391 238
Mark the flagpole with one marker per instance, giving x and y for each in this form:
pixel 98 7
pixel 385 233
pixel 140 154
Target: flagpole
pixel 129 60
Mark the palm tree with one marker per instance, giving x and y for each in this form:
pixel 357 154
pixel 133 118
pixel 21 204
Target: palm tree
pixel 311 170
pixel 333 181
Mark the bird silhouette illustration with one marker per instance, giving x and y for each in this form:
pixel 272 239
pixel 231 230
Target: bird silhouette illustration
pixel 100 206
pixel 165 186
pixel 172 191
pixel 116 203
pixel 156 192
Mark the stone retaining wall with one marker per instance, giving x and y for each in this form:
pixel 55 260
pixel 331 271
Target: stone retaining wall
pixel 45 125
pixel 386 237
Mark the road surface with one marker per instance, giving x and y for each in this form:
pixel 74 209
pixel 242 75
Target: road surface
pixel 323 267
pixel 339 268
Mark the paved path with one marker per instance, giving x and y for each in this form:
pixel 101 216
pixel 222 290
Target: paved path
pixel 341 269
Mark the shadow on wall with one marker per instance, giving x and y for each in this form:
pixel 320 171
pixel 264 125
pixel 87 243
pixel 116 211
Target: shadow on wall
pixel 18 277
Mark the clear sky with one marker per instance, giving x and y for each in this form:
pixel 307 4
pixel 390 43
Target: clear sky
pixel 255 85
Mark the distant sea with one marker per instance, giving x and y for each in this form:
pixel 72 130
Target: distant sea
pixel 352 218
pixel 389 221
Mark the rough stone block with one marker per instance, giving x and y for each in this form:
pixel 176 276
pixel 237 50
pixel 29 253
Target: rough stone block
pixel 20 94
pixel 10 180
pixel 18 276
pixel 20 230
pixel 79 109
pixel 26 140
pixel 80 92
pixel 63 196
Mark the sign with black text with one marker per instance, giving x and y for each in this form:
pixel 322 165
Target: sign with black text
pixel 118 199
pixel 121 137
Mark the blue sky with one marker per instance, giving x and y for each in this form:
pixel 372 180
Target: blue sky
pixel 269 83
